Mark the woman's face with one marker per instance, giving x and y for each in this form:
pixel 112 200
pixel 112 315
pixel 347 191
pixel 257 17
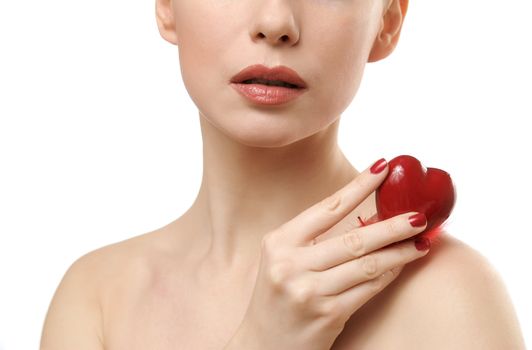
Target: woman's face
pixel 327 42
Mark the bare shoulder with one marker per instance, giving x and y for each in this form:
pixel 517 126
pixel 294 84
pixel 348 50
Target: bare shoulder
pixel 73 319
pixel 452 298
pixel 134 257
pixel 457 291
pixel 76 315
pixel 127 266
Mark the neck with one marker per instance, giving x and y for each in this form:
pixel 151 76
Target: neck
pixel 248 191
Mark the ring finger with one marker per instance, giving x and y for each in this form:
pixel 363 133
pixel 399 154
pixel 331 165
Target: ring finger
pixel 345 276
pixel 359 242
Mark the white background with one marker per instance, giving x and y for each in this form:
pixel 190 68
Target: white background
pixel 100 142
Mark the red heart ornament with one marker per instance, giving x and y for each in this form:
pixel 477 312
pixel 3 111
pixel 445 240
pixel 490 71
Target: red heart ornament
pixel 409 186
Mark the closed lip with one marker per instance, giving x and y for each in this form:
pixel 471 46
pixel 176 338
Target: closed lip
pixel 259 71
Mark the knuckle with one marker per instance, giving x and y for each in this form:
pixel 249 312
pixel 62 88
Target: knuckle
pixel 392 273
pixel 332 309
pixel 301 293
pixel 270 244
pixel 391 227
pixel 278 272
pixel 331 204
pixel 327 308
pixel 334 312
pixel 354 243
pixel 377 284
pixel 369 265
pixel 389 275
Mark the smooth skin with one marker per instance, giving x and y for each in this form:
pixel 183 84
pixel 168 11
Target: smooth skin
pixel 311 287
pixel 208 279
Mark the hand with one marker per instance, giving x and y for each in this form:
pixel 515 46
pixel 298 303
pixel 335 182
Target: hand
pixel 307 289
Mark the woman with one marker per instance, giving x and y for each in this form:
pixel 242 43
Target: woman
pixel 271 254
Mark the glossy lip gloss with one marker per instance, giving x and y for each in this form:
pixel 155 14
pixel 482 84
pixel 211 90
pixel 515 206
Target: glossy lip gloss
pixel 266 94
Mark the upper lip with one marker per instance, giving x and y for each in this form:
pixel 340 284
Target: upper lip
pixel 260 71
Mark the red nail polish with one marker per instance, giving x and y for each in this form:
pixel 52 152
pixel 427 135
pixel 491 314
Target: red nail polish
pixel 378 166
pixel 422 243
pixel 417 220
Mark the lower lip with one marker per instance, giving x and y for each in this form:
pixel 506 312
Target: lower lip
pixel 267 95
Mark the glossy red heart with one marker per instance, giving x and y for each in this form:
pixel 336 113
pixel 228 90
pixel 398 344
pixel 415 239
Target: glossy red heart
pixel 409 186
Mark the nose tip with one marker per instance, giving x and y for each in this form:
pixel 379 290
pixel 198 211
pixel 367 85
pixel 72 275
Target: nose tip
pixel 278 29
pixel 273 40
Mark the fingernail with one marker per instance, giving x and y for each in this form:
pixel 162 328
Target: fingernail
pixel 422 243
pixel 378 166
pixel 417 220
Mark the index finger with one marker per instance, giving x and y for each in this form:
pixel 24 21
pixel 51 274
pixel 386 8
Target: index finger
pixel 320 217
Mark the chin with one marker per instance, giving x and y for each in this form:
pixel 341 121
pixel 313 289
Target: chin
pixel 264 129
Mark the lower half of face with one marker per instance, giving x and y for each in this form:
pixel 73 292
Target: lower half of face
pixel 329 43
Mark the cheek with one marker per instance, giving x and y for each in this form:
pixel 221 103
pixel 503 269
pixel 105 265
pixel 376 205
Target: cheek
pixel 204 38
pixel 341 52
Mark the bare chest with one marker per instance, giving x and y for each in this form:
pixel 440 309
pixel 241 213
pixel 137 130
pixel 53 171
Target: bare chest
pixel 162 312
pixel 167 315
pixel 155 303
